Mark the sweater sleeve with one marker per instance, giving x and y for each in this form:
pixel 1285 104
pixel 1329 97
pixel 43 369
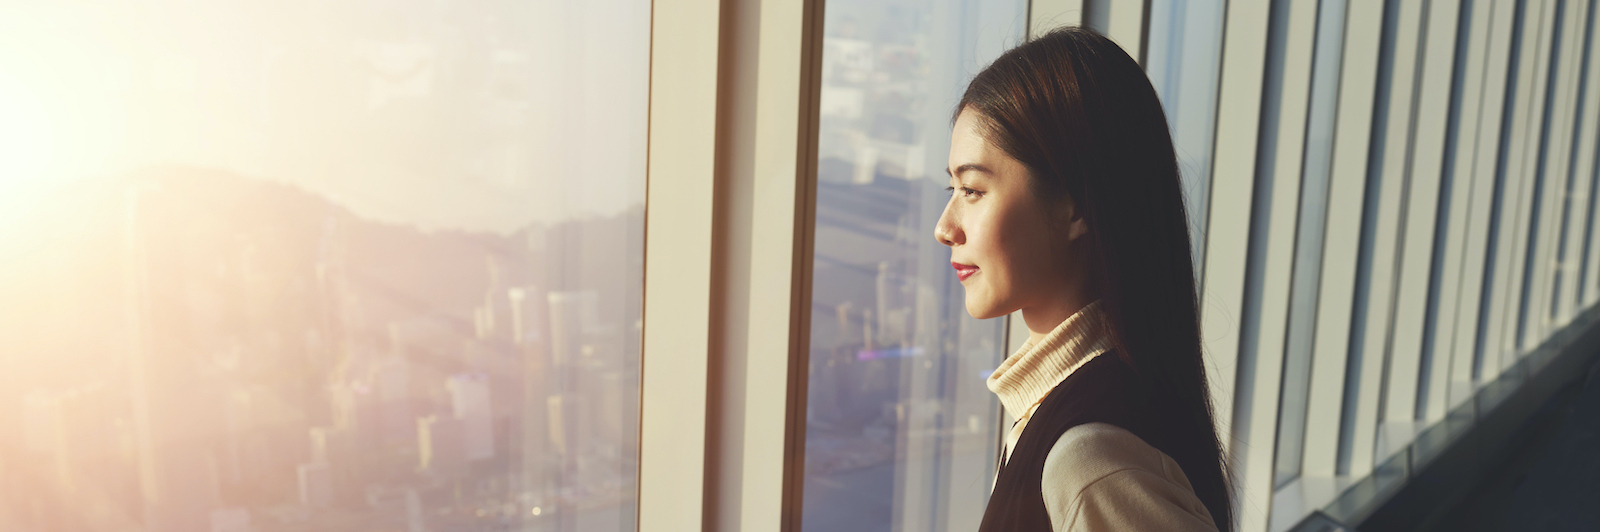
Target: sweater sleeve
pixel 1099 477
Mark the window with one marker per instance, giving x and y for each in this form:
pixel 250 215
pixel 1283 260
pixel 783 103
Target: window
pixel 901 430
pixel 326 266
pixel 1184 62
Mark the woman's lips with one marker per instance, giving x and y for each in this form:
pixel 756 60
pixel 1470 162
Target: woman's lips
pixel 963 271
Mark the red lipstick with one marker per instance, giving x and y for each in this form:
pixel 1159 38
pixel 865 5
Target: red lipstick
pixel 963 271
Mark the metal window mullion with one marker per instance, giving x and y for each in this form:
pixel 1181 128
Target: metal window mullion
pixel 1121 20
pixel 1582 158
pixel 1559 165
pixel 1556 143
pixel 1564 266
pixel 1403 354
pixel 1046 15
pixel 1427 165
pixel 1586 168
pixel 1453 287
pixel 1490 161
pixel 1506 148
pixel 1292 118
pixel 1475 161
pixel 1525 281
pixel 678 267
pixel 1227 244
pixel 1506 351
pixel 1341 247
pixel 1370 407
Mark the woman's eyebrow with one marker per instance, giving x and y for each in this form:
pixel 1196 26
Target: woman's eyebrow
pixel 969 167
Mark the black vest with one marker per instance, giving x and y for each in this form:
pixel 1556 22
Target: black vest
pixel 1104 390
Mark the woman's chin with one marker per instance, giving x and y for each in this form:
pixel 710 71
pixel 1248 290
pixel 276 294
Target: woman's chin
pixel 983 310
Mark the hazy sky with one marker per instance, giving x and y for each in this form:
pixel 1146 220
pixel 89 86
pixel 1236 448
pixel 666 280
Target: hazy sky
pixel 462 115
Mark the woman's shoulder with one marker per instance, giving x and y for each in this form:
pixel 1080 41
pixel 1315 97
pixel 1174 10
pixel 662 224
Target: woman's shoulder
pixel 1088 452
pixel 1099 475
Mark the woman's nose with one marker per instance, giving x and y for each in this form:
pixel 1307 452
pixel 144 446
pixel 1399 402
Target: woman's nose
pixel 945 231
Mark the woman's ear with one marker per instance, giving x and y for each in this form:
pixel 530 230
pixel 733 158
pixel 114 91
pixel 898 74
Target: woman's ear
pixel 1069 220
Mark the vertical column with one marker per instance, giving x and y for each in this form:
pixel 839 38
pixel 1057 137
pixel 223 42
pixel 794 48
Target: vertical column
pixel 678 272
pixel 1582 157
pixel 1462 193
pixel 1551 165
pixel 1046 15
pixel 1121 20
pixel 1421 289
pixel 767 148
pixel 1476 158
pixel 1402 364
pixel 1278 161
pixel 1587 171
pixel 1238 123
pixel 1538 26
pixel 1558 166
pixel 1498 344
pixel 1341 246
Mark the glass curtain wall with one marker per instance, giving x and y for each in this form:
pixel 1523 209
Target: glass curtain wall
pixel 1184 62
pixel 902 432
pixel 333 266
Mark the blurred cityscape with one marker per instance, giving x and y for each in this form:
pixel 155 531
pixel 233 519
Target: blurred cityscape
pixel 900 425
pixel 227 354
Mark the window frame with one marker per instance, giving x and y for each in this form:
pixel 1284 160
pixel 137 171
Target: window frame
pixel 730 204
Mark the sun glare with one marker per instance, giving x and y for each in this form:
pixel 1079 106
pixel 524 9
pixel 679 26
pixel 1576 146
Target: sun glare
pixel 26 140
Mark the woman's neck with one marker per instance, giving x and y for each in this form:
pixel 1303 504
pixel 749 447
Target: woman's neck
pixel 1042 319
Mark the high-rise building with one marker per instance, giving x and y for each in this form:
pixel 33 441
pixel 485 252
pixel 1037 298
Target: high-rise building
pixel 470 404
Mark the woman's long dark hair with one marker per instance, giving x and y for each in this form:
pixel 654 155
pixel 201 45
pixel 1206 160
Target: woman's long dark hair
pixel 1082 117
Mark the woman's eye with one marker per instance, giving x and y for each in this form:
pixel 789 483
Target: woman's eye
pixel 965 192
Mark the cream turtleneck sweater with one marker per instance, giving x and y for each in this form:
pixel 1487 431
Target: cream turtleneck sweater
pixel 1097 476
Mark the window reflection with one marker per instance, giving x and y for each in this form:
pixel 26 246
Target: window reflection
pixel 325 266
pixel 901 430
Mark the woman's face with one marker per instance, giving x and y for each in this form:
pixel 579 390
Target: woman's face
pixel 1011 250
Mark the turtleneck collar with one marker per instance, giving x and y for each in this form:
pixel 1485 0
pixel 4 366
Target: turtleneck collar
pixel 1030 373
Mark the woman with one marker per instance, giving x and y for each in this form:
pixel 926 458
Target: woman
pixel 1066 205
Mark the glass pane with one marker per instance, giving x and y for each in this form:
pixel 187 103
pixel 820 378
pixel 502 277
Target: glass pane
pixel 1184 62
pixel 340 265
pixel 901 430
pixel 1304 287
